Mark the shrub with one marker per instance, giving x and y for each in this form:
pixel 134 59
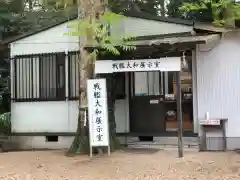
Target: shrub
pixel 5 123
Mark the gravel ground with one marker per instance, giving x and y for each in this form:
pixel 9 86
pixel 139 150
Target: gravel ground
pixel 162 165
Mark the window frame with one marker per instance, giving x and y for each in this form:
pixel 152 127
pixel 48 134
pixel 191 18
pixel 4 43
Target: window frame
pixel 37 86
pixel 122 77
pixel 75 95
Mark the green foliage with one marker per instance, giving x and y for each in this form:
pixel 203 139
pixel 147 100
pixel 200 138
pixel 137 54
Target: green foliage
pixel 15 19
pixel 5 123
pixel 223 11
pixel 58 4
pixel 152 7
pixel 4 94
pixel 173 7
pixel 98 33
pixel 12 18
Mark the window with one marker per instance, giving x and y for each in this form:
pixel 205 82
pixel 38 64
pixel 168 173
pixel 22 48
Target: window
pixel 47 76
pixel 52 76
pixel 148 83
pixel 169 82
pixel 39 77
pixel 73 78
pixel 24 78
pixel 120 85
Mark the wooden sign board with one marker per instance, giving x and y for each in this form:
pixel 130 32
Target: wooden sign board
pixel 161 64
pixel 210 122
pixel 98 113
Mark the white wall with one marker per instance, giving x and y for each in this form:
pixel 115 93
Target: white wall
pixel 48 41
pixel 141 27
pixel 54 40
pixel 58 116
pixel 218 82
pixel 39 142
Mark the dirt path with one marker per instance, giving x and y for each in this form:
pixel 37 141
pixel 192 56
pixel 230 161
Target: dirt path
pixel 162 165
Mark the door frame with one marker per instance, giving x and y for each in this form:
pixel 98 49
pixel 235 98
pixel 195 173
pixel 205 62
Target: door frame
pixel 131 90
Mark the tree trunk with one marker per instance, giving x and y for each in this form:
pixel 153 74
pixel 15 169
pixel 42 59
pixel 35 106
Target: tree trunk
pixel 111 95
pixel 30 5
pixel 228 16
pixel 80 144
pixel 162 4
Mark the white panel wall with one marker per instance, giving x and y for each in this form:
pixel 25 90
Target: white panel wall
pixel 218 83
pixel 39 142
pixel 59 116
pixel 41 117
pixel 51 40
pixel 143 27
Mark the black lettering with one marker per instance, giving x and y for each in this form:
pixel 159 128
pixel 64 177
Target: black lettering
pixel 97 103
pixel 97 95
pixel 157 64
pixel 97 112
pixel 135 65
pixel 115 66
pixel 96 86
pixel 99 137
pixel 129 65
pixel 98 120
pixel 99 129
pixel 149 64
pixel 142 65
pixel 121 66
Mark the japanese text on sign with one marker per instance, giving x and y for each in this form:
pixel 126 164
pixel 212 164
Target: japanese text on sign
pixel 97 108
pixel 161 64
pixel 133 64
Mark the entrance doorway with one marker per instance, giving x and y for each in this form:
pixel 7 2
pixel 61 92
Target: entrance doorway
pixel 147 102
pixel 153 107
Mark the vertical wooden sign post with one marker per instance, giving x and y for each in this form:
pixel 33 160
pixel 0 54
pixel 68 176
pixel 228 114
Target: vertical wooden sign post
pixel 98 114
pixel 179 115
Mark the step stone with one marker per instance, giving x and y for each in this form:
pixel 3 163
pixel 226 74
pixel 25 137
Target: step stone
pixel 165 147
pixel 187 141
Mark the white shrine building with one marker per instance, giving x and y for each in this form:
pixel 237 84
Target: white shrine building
pixel 45 84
